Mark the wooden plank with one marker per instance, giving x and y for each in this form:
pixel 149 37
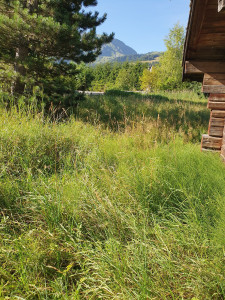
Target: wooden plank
pixel 196 20
pixel 213 25
pixel 218 114
pixel 214 79
pixel 215 131
pixel 216 105
pixel 217 122
pixel 214 89
pixel 206 52
pixel 212 39
pixel 217 97
pixel 192 68
pixel 200 67
pixel 209 142
pixel 210 150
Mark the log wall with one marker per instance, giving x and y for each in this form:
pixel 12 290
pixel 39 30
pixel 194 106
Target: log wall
pixel 204 61
pixel 215 139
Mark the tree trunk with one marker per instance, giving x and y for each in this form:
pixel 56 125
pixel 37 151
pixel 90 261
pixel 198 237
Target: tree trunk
pixel 19 85
pixel 21 55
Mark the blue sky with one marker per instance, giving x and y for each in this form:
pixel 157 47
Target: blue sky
pixel 142 24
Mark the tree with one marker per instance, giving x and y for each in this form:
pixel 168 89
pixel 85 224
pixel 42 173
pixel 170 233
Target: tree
pixel 167 74
pixel 129 76
pixel 170 63
pixel 148 79
pixel 84 77
pixel 39 37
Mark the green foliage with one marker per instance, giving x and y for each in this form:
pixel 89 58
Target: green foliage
pixel 101 77
pixel 170 63
pixel 84 77
pixel 167 75
pixel 148 57
pixel 38 38
pixel 148 80
pixel 87 213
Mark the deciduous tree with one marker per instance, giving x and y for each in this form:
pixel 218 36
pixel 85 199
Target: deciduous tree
pixel 167 75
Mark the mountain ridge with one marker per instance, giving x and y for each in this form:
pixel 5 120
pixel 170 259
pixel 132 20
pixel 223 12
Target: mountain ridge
pixel 118 51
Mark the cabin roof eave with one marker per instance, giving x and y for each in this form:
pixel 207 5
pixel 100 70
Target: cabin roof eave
pixel 188 32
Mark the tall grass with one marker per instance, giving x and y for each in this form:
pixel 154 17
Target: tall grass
pixel 93 211
pixel 166 112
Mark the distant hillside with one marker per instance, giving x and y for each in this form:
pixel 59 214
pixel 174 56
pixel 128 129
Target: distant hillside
pixel 151 56
pixel 117 51
pixel 114 50
pixel 117 48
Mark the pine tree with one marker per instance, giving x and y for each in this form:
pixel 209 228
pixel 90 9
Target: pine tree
pixel 39 37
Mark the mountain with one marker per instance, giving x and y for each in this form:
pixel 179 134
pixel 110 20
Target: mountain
pixel 148 57
pixel 114 50
pixel 117 51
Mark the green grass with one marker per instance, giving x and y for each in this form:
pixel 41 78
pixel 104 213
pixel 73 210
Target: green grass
pixel 122 209
pixel 161 116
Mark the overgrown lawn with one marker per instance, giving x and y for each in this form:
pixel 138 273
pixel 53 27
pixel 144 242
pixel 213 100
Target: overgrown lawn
pixel 115 203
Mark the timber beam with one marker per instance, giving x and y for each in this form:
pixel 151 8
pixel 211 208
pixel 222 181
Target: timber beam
pixel 211 143
pixel 201 67
pixel 215 139
pixel 214 83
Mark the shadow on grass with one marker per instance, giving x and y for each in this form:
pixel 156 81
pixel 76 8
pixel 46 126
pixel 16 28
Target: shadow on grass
pixel 174 97
pixel 118 112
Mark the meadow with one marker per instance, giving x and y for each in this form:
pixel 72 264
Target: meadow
pixel 113 200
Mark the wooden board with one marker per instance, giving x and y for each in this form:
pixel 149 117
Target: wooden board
pixel 205 39
pixel 218 114
pixel 196 20
pixel 217 97
pixel 214 89
pixel 214 79
pixel 216 105
pixel 209 142
pixel 215 131
pixel 201 67
pixel 216 127
pixel 210 150
pixel 212 40
pixel 217 122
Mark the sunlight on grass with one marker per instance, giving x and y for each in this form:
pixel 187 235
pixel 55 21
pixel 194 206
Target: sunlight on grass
pixel 120 208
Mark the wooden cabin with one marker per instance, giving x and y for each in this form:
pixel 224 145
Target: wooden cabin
pixel 204 61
